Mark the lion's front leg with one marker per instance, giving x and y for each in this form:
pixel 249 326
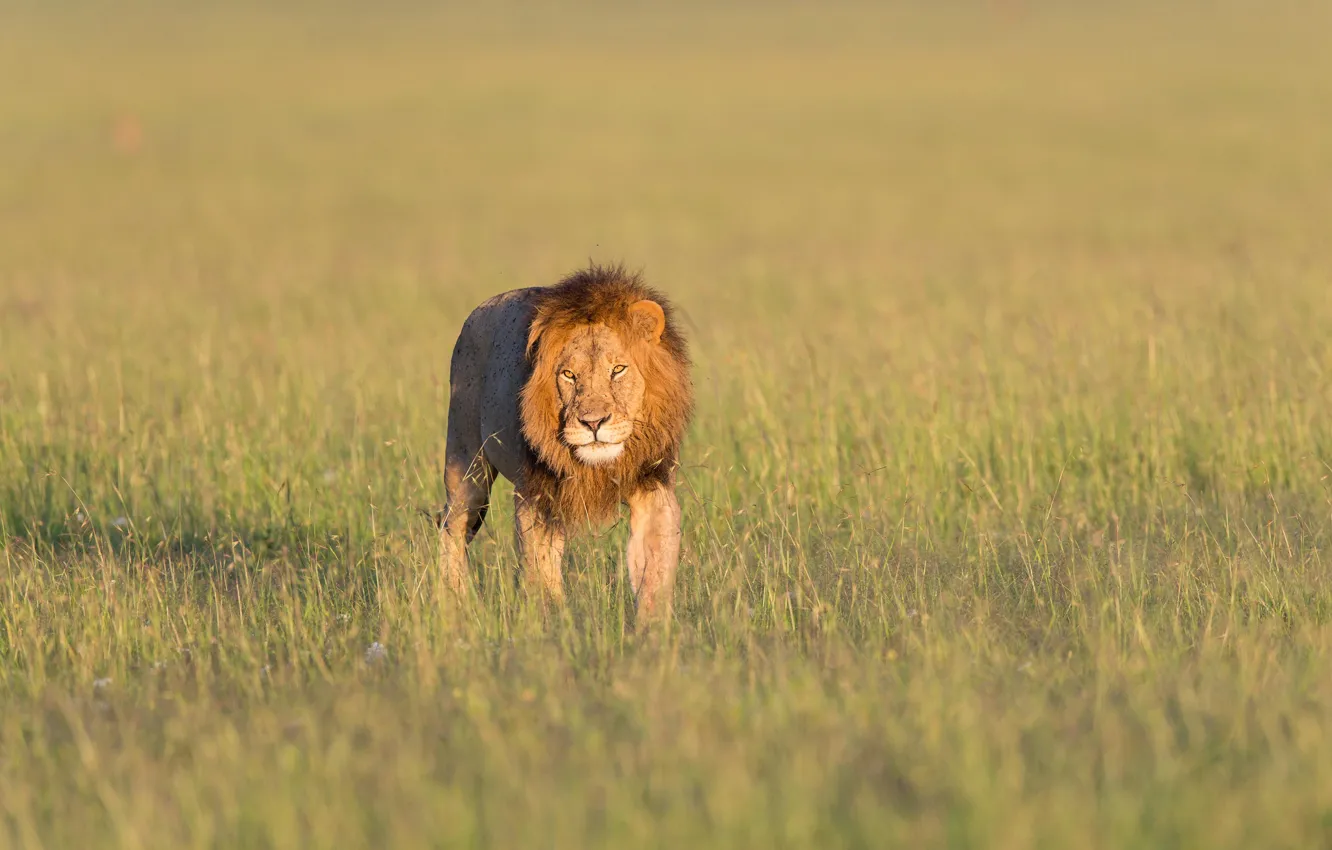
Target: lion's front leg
pixel 540 547
pixel 654 550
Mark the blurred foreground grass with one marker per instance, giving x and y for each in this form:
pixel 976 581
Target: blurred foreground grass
pixel 1007 505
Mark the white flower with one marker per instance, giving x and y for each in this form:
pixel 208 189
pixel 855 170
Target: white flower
pixel 100 684
pixel 375 653
pixel 120 522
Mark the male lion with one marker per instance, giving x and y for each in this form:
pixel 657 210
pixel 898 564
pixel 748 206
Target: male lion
pixel 579 394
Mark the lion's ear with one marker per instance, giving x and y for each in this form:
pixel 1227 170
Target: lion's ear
pixel 648 319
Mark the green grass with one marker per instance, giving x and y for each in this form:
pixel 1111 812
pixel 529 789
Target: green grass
pixel 1007 504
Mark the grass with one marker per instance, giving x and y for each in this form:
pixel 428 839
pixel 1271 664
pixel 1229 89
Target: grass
pixel 1007 504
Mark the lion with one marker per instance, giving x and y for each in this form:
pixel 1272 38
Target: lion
pixel 579 394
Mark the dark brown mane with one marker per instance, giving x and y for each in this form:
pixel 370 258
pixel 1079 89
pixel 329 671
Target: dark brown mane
pixel 571 492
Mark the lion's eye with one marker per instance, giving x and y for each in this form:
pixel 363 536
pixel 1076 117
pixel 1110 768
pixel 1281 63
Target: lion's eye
pixel 617 370
pixel 567 374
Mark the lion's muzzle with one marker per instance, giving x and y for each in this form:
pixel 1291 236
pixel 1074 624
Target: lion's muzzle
pixel 597 437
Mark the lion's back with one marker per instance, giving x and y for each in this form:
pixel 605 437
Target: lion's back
pixel 487 372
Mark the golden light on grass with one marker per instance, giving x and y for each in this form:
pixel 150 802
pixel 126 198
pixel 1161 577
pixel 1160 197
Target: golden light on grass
pixel 1007 507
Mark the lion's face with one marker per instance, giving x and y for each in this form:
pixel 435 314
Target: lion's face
pixel 608 396
pixel 601 393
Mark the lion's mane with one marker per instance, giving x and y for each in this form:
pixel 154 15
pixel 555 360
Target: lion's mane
pixel 570 492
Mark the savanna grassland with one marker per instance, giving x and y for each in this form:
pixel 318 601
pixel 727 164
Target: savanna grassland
pixel 1007 504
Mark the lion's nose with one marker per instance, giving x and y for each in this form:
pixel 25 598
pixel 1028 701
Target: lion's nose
pixel 593 421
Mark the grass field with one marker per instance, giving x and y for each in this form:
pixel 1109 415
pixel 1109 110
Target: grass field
pixel 1007 505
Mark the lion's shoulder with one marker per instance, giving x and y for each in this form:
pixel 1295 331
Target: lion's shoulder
pixel 486 374
pixel 495 330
